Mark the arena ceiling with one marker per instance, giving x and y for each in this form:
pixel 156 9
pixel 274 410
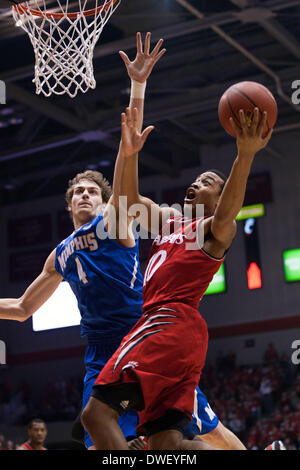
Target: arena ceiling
pixel 210 46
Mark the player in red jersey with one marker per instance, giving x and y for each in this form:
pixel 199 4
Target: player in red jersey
pixel 37 432
pixel 157 368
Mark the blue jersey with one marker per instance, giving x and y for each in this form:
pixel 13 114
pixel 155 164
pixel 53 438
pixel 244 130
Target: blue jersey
pixel 106 280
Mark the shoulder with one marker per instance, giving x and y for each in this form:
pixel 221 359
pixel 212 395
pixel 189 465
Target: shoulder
pixel 223 231
pixel 61 245
pixel 214 243
pixel 225 237
pixel 50 264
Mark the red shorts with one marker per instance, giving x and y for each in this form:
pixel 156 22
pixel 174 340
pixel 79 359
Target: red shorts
pixel 165 353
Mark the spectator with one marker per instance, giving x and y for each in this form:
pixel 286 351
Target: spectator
pixel 266 392
pixel 257 401
pixel 236 424
pixel 37 433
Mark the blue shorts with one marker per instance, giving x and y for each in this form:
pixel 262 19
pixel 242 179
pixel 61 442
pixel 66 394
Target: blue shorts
pixel 204 419
pixel 96 356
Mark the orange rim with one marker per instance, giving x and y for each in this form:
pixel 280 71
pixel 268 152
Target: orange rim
pixel 23 9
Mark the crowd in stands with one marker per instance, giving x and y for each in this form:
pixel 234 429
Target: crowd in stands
pixel 260 403
pixel 59 401
pixel 6 444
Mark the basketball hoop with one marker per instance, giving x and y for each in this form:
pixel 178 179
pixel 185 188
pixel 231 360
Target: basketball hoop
pixel 63 42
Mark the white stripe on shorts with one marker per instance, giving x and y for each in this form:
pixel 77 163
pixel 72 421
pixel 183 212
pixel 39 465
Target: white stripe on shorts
pixel 198 420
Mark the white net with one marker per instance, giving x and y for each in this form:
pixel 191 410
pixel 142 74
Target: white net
pixel 63 45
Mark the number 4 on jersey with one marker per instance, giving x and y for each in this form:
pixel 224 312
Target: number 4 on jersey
pixel 81 272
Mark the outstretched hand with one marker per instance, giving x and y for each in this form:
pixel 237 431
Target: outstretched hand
pixel 250 138
pixel 132 140
pixel 140 69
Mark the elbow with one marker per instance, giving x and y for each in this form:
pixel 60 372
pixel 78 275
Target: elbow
pixel 23 317
pixel 134 203
pixel 132 197
pixel 22 312
pixel 130 206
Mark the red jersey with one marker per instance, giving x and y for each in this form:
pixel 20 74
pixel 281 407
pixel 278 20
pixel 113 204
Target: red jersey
pixel 177 269
pixel 157 352
pixel 27 446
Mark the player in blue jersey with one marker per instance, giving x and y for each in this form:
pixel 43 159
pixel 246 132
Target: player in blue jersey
pixel 105 277
pixel 100 264
pixel 102 270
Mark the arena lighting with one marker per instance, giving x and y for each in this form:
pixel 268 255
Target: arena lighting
pixel 253 263
pixel 249 226
pixel 253 211
pixel 254 277
pixel 218 283
pixel 59 311
pixel 291 265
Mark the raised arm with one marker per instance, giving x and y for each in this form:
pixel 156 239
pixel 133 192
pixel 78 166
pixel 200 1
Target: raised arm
pixel 249 141
pixel 149 214
pixel 35 295
pixel 138 71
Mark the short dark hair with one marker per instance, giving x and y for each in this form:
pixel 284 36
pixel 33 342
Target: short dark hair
pixel 36 421
pixel 95 177
pixel 221 175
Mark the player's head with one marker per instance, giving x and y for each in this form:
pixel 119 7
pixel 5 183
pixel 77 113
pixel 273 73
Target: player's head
pixel 86 192
pixel 37 431
pixel 206 190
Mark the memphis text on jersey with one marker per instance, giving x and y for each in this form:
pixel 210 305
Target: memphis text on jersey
pixel 81 242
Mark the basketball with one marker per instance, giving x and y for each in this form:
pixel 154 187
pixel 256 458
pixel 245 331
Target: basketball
pixel 246 96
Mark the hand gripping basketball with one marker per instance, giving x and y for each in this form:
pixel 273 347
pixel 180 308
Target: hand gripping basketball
pixel 250 137
pixel 247 96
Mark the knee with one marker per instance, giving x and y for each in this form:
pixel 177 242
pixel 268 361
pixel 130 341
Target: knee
pixel 85 416
pixel 88 414
pixel 95 411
